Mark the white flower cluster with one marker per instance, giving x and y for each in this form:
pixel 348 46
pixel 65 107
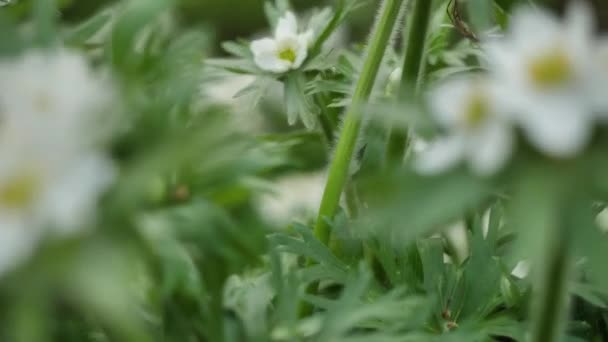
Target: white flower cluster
pixel 547 77
pixel 287 50
pixel 51 167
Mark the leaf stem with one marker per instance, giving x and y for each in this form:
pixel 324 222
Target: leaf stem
pixel 339 169
pixel 412 67
pixel 551 292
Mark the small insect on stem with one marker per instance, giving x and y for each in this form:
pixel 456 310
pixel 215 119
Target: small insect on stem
pixel 453 11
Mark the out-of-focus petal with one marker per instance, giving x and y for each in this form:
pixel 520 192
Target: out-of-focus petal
pixel 560 129
pixel 287 26
pixel 265 52
pixel 490 148
pixel 440 155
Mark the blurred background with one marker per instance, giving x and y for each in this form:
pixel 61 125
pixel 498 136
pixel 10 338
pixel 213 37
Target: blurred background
pixel 231 19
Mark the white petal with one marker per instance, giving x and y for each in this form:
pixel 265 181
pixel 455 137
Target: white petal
pixel 599 78
pixel 440 155
pixel 490 148
pixel 580 20
pixel 287 26
pixel 266 57
pixel 558 128
pixel 71 201
pixel 580 35
pixel 17 241
pixel 307 37
pixel 505 62
pixel 301 51
pixel 533 29
pixel 447 101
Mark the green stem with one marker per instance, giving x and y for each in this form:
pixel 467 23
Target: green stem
pixel 412 66
pixel 551 292
pixel 339 169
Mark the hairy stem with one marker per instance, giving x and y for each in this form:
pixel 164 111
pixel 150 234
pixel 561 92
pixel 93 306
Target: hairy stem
pixel 339 169
pixel 412 66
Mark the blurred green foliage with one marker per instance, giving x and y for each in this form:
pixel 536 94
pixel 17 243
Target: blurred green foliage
pixel 182 250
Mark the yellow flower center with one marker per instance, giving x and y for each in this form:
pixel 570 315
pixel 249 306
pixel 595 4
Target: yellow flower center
pixel 19 191
pixel 550 70
pixel 288 54
pixel 477 109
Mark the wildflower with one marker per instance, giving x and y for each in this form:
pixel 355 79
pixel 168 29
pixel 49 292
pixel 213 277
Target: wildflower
pixel 294 197
pixel 598 87
pixel 286 51
pixel 51 170
pixel 477 130
pixel 544 67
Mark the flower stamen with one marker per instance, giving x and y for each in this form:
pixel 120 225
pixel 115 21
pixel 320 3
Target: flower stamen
pixel 550 70
pixel 19 191
pixel 476 110
pixel 288 55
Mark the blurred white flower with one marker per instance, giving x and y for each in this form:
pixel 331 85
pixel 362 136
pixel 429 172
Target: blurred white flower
pixel 598 87
pixel 543 66
pixel 51 168
pixel 295 197
pixel 286 50
pixel 476 129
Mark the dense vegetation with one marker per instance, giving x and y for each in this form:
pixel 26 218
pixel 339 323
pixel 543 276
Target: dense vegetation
pixel 348 170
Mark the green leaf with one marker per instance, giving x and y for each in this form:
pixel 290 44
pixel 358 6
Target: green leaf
pixel 480 13
pixel 234 65
pixel 409 205
pixel 298 104
pixel 238 49
pixel 45 21
pixel 81 34
pixel 256 90
pixel 431 255
pixel 137 15
pixel 481 279
pixel 308 246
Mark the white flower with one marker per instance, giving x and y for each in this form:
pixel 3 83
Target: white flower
pixel 600 82
pixel 51 170
pixel 295 197
pixel 544 67
pixel 286 51
pixel 477 130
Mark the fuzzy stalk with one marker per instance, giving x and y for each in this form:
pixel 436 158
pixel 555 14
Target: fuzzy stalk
pixel 412 67
pixel 340 165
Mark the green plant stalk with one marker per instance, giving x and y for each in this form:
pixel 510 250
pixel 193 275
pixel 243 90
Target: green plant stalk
pixel 331 27
pixel 412 67
pixel 339 169
pixel 551 293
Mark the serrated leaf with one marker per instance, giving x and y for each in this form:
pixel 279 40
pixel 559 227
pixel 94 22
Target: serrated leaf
pixel 137 16
pixel 298 105
pixel 85 31
pixel 238 49
pixel 427 203
pixel 234 65
pixel 308 246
